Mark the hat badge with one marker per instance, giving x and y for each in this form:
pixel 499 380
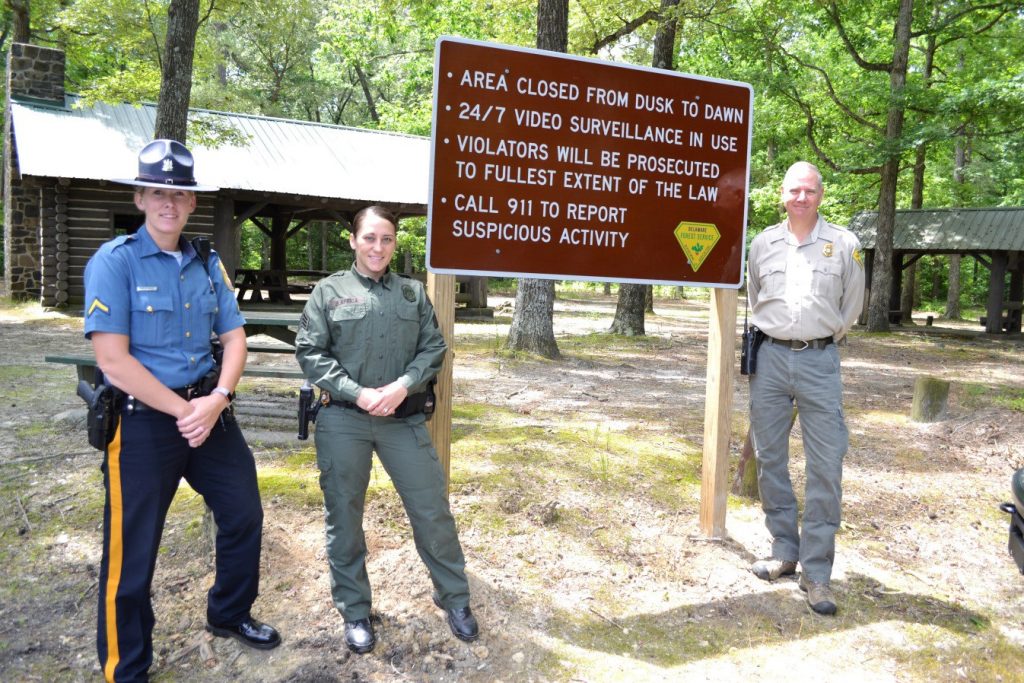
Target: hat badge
pixel 168 166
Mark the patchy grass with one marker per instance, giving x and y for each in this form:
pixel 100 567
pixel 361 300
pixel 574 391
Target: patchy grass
pixel 1012 399
pixel 580 524
pixel 935 653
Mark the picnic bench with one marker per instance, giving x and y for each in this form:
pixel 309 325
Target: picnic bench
pixel 276 325
pixel 85 365
pixel 1011 321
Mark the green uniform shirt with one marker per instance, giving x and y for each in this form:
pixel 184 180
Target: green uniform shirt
pixel 355 332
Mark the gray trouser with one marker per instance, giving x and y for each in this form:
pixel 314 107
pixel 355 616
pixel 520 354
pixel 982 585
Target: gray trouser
pixel 345 440
pixel 810 378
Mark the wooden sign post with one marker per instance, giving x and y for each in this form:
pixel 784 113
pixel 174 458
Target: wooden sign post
pixel 441 290
pixel 714 485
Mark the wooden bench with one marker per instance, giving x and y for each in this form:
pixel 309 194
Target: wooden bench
pixel 1011 321
pixel 270 348
pixel 86 366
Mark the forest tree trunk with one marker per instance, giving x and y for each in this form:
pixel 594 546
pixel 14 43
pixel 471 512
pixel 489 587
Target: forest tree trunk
pixel 176 79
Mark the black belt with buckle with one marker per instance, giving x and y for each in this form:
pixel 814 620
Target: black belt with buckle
pixel 133 404
pixel 799 344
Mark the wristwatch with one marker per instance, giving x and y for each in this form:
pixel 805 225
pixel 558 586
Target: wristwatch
pixel 225 392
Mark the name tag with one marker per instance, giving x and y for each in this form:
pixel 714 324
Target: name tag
pixel 343 300
pixel 146 288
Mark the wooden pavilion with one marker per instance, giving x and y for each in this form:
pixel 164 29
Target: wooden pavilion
pixel 992 236
pixel 59 155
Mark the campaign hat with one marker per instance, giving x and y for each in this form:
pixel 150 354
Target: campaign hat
pixel 166 163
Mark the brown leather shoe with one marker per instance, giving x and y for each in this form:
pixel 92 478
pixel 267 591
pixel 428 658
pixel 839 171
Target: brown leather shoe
pixel 819 596
pixel 769 570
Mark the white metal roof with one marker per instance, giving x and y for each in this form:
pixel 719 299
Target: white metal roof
pixel 102 142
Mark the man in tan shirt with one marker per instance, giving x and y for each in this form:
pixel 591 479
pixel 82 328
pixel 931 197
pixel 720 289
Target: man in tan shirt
pixel 806 288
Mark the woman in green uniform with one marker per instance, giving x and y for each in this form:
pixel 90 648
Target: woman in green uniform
pixel 369 338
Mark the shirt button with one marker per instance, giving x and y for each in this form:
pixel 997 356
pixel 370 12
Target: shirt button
pixel 381 356
pixel 149 309
pixel 182 276
pixel 192 360
pixel 188 334
pixel 382 313
pixel 187 305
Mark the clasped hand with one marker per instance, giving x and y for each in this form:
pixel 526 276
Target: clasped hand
pixel 196 424
pixel 383 400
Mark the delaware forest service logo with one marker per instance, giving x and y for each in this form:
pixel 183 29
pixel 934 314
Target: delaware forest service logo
pixel 697 241
pixel 408 293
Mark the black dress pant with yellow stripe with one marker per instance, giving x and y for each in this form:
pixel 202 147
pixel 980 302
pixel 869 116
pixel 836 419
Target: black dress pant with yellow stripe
pixel 143 468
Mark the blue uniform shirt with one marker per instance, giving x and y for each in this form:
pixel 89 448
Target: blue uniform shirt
pixel 166 310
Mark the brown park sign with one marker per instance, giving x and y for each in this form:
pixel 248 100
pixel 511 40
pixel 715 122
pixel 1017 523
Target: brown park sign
pixel 553 166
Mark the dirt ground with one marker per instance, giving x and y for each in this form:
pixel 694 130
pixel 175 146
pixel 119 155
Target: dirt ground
pixel 576 487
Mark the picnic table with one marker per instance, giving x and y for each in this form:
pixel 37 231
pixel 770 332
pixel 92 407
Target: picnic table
pixel 273 324
pixel 250 283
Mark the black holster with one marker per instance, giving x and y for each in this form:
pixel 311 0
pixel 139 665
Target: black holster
pixel 423 402
pixel 309 407
pixel 752 338
pixel 104 408
pixel 205 386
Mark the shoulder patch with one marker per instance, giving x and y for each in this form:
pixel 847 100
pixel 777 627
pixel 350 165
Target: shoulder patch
pixel 858 256
pixel 224 274
pixel 409 293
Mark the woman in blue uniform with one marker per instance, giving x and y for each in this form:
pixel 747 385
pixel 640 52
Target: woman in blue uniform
pixel 151 304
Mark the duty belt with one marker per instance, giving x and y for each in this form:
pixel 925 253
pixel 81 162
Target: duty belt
pixel 133 404
pixel 345 404
pixel 800 344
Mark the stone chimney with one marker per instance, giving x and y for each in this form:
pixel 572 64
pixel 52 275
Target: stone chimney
pixel 34 74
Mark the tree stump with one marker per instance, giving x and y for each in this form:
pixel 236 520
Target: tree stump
pixel 931 397
pixel 745 482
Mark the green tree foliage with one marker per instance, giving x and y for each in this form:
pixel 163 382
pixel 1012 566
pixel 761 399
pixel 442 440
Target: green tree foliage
pixel 369 63
pixel 384 51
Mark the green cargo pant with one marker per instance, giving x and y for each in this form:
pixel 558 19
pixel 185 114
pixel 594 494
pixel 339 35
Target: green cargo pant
pixel 345 441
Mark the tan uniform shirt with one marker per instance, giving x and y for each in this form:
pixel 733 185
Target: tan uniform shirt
pixel 805 291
